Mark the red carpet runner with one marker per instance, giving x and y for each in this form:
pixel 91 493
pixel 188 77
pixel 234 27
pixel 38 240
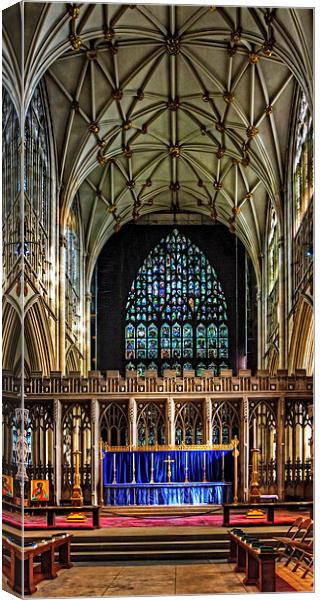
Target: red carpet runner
pixel 207 520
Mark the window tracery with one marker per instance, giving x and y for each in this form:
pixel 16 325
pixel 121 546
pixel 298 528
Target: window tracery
pixel 76 429
pixel 151 427
pixel 10 153
pixel 11 209
pixel 176 313
pixel 73 268
pixel 303 164
pixel 189 423
pixel 225 421
pixel 114 426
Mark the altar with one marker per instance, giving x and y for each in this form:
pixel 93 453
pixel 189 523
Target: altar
pixel 178 475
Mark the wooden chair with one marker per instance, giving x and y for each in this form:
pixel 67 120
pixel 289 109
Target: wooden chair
pixel 306 537
pixel 305 561
pixel 283 546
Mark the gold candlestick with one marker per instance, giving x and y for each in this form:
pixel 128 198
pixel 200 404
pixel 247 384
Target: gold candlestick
pixel 77 497
pixel 204 468
pixel 101 455
pixel 254 484
pixel 152 469
pixel 186 480
pixel 235 443
pixel 254 513
pixel 169 461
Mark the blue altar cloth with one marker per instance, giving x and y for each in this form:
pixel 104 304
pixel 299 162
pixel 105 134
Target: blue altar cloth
pixel 141 477
pixel 167 494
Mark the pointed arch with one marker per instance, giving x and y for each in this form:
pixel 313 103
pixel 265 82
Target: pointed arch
pixel 38 339
pixel 176 310
pixel 72 359
pixel 301 353
pixel 11 336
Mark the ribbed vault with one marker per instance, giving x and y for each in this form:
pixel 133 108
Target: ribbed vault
pixel 169 109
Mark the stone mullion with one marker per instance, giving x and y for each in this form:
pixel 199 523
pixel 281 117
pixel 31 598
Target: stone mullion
pixel 87 335
pixel 280 457
pixel 62 305
pixel 208 421
pixel 95 412
pixel 170 421
pixel 281 306
pixel 244 449
pixel 57 424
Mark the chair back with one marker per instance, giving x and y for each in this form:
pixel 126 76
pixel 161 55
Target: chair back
pixel 295 528
pixel 305 530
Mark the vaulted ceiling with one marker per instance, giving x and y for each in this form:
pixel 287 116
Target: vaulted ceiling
pixel 179 109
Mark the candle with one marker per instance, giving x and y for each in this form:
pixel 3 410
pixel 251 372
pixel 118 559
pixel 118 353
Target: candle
pixel 133 468
pixel 254 432
pixel 151 479
pixel 114 469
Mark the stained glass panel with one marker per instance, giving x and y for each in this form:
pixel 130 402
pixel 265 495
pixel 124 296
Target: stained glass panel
pixel 176 310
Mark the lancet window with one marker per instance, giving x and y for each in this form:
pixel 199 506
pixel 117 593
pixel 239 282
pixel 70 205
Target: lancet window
pixel 189 423
pixel 10 153
pixel 76 429
pixel 263 436
pixel 114 426
pixel 37 190
pixel 225 421
pixel 37 163
pixel 272 275
pixel 10 185
pixel 151 428
pixel 176 313
pixel 73 268
pixel 303 165
pixel 298 432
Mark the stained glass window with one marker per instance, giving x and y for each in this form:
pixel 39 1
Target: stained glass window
pixel 303 164
pixel 10 153
pixel 37 162
pixel 176 312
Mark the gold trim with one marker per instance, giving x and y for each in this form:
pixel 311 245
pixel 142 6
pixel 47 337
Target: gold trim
pixel 131 448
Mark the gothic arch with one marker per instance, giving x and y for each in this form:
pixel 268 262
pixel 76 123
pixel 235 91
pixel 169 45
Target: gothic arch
pixel 72 359
pixel 11 336
pixel 273 360
pixel 301 353
pixel 38 340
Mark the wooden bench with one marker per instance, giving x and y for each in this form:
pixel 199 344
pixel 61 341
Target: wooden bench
pixel 270 507
pixel 259 566
pixel 52 511
pixel 19 561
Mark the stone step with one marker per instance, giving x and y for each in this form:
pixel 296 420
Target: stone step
pixel 136 554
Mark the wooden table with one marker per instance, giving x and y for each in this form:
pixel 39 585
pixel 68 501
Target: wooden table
pixel 259 567
pixel 52 511
pixel 270 507
pixel 20 562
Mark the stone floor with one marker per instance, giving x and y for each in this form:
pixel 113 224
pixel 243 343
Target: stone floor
pixel 143 580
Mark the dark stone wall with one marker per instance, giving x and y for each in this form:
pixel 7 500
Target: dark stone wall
pixel 120 261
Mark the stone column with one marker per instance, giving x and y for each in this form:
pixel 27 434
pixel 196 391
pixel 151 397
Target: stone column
pixel 281 306
pixel 62 303
pixel 280 457
pixel 132 422
pixel 260 332
pixel 208 422
pixel 87 335
pixel 244 450
pixel 57 414
pixel 170 421
pixel 95 411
